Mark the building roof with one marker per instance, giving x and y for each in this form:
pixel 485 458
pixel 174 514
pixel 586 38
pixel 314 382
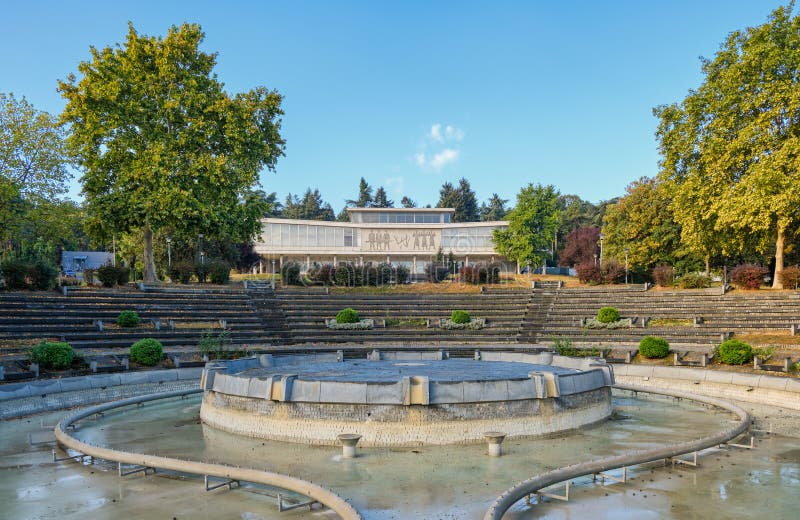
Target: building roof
pixel 405 210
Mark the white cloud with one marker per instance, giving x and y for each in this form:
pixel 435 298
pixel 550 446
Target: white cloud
pixel 451 133
pixel 419 158
pixel 443 158
pixel 396 186
pixel 436 133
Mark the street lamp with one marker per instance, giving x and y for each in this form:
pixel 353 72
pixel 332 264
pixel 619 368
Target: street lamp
pixel 169 252
pixel 602 237
pixel 273 274
pixel 200 237
pixel 626 265
pixel 595 258
pixel 202 257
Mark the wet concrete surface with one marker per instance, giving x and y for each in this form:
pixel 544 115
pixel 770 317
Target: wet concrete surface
pixel 450 482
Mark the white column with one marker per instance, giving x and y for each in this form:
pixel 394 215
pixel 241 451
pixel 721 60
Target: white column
pixel 308 262
pixel 335 262
pixel 414 264
pixel 466 260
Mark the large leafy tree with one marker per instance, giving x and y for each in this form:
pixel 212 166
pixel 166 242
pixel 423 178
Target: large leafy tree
pixel 642 222
pixel 162 144
pixel 532 224
pixel 580 246
pixel 731 148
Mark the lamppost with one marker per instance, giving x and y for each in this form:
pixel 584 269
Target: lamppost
pixel 595 259
pixel 602 237
pixel 202 257
pixel 273 274
pixel 169 252
pixel 627 250
pixel 200 237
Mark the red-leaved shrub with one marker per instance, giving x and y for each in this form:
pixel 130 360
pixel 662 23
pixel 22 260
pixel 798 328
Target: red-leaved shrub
pixel 748 276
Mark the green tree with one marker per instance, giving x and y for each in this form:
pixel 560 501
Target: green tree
pixel 736 137
pixel 163 145
pixel 642 222
pixel 310 207
pixel 33 156
pixel 381 200
pixel 364 199
pixel 462 199
pixel 494 209
pixel 532 225
pixel 406 202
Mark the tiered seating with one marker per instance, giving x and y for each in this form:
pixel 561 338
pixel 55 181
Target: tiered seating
pixel 73 318
pixel 306 311
pixel 558 313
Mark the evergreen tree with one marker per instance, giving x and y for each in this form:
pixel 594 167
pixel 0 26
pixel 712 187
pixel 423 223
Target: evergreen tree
pixel 364 199
pixel 381 200
pixel 462 199
pixel 310 207
pixel 494 209
pixel 406 202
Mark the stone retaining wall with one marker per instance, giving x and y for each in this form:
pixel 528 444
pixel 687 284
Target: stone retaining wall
pixel 31 397
pixel 750 388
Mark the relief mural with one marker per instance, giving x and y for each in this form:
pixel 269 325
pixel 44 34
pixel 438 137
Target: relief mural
pixel 396 240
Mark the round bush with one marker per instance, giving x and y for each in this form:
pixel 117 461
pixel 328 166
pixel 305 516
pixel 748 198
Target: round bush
pixel 735 352
pixel 347 315
pixel 608 315
pixel 128 319
pixel 53 355
pixel 181 272
pixel 460 317
pixel 653 347
pixel 219 272
pixel 147 352
pixel 694 281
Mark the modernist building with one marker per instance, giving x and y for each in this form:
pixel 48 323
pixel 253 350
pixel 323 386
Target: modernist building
pixel 410 237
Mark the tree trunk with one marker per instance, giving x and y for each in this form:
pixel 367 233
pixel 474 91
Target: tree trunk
pixel 149 259
pixel 779 243
pixel 708 265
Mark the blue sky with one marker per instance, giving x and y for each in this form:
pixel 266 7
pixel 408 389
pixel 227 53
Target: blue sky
pixel 412 94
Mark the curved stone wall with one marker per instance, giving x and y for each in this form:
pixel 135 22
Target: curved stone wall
pixel 519 394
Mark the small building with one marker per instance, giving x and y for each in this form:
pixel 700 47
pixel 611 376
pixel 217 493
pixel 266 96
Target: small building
pixel 73 262
pixel 411 237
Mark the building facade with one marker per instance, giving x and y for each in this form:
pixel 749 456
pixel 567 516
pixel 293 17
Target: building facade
pixel 411 237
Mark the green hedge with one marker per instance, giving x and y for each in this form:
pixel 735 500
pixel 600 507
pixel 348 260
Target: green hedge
pixel 608 315
pixel 653 347
pixel 347 315
pixel 147 352
pixel 53 355
pixel 735 352
pixel 128 319
pixel 460 317
pixel 219 272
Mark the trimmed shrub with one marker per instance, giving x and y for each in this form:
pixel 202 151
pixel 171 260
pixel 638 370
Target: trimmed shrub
pixel 436 272
pixel 41 275
pixel 460 317
pixel 290 274
pixel 612 272
pixel 748 276
pixel 589 273
pixel 201 271
pixel 324 274
pixel 735 352
pixel 181 272
pixel 128 319
pixel 347 315
pixel 790 277
pixel 53 355
pixel 147 352
pixel 69 281
pixel 123 275
pixel 608 315
pixel 110 275
pixel 219 272
pixel 664 275
pixel 402 274
pixel 14 273
pixel 347 274
pixel 479 273
pixel 653 347
pixel 694 281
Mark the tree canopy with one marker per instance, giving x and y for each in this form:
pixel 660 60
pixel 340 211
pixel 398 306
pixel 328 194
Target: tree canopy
pixel 532 224
pixel 381 199
pixel 310 207
pixel 462 199
pixel 161 144
pixel 730 149
pixel 494 209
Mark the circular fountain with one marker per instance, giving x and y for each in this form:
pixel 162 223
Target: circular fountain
pixel 404 398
